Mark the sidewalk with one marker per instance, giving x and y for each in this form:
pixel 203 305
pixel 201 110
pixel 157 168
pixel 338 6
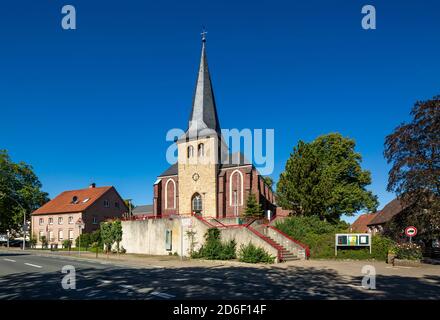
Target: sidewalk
pixel 138 260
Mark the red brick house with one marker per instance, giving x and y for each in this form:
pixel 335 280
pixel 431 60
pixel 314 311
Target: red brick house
pixel 391 209
pixel 57 219
pixel 361 223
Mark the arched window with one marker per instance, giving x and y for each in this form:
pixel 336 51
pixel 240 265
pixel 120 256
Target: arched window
pixel 236 188
pixel 190 151
pixel 170 191
pixel 201 150
pixel 196 203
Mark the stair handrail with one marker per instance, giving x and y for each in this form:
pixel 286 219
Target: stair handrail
pixel 267 239
pixel 304 246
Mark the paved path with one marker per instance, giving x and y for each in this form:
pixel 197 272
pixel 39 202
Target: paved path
pixel 32 276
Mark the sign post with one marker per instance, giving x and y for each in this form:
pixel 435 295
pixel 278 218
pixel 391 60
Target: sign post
pixel 410 232
pixel 81 226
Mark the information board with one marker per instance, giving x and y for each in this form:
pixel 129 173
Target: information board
pixel 352 240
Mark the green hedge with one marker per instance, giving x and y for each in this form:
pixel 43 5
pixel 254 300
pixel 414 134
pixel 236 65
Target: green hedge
pixel 253 254
pixel 320 237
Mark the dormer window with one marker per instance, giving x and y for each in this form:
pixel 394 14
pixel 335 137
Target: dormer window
pixel 74 200
pixel 85 200
pixel 190 151
pixel 201 150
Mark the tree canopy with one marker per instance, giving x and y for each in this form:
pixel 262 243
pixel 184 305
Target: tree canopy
pixel 20 192
pixel 413 149
pixel 325 178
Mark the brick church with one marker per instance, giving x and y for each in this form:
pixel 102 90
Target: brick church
pixel 207 179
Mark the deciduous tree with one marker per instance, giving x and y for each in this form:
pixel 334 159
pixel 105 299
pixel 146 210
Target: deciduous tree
pixel 413 149
pixel 325 178
pixel 20 192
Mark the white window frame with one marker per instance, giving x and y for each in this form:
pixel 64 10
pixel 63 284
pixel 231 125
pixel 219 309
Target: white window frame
pixel 106 204
pixel 50 220
pixel 166 194
pixel 240 198
pixel 41 221
pixel 60 232
pixel 60 220
pixel 70 221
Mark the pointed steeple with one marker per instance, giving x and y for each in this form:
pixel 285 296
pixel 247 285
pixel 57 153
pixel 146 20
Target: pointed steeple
pixel 204 112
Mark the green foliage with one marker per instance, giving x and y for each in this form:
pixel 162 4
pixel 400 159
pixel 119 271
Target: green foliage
pixel 44 242
pixel 110 232
pixel 214 249
pixel 408 251
pixel 253 208
pixel 325 178
pixel 85 240
pixel 116 231
pixel 20 192
pixel 252 254
pixel 413 149
pixel 320 237
pixel 106 235
pixel 67 243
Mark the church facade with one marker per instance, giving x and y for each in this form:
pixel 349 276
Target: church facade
pixel 207 179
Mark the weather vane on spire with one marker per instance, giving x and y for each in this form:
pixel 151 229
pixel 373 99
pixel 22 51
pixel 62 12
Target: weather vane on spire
pixel 204 32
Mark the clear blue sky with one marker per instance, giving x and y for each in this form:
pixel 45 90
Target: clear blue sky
pixel 95 104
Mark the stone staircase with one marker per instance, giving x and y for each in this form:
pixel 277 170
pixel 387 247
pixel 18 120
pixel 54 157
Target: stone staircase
pixel 285 254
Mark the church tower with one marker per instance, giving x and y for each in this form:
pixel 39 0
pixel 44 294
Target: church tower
pixel 200 149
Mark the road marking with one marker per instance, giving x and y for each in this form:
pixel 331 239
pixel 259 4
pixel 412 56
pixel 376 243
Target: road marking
pixel 33 265
pixel 162 295
pixel 10 260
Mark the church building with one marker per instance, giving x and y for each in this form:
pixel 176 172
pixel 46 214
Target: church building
pixel 207 179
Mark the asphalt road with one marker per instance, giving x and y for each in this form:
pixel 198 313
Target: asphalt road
pixel 30 276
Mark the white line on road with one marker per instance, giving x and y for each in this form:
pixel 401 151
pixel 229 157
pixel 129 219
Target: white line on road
pixel 10 260
pixel 162 295
pixel 33 265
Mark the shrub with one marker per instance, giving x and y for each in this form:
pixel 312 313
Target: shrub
pixel 214 249
pixel 408 251
pixel 253 254
pixel 44 242
pixel 85 240
pixel 320 237
pixel 67 243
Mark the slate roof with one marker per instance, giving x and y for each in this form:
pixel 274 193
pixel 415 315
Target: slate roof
pixel 63 203
pixel 203 119
pixel 143 209
pixel 387 213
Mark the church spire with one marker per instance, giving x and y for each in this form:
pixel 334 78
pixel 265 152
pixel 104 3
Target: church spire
pixel 204 112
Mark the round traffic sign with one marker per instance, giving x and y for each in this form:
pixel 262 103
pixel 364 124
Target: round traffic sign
pixel 411 231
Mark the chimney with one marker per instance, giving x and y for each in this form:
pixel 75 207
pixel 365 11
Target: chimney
pixel 92 185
